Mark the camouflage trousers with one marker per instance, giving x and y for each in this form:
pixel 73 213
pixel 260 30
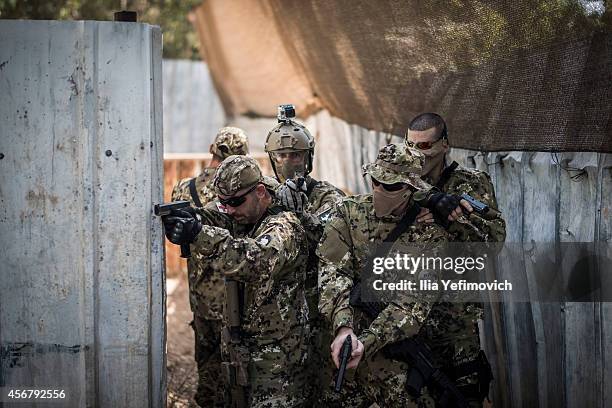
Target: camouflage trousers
pixel 277 378
pixel 383 381
pixel 210 391
pixel 275 375
pixel 322 373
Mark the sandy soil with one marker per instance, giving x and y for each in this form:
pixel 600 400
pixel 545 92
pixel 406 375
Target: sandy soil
pixel 181 367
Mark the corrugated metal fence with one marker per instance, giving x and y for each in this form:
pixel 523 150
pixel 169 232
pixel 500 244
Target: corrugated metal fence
pixel 192 110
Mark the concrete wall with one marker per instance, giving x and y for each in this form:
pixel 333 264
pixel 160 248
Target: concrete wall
pixel 192 110
pixel 82 303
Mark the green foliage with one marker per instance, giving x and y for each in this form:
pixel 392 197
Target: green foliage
pixel 180 38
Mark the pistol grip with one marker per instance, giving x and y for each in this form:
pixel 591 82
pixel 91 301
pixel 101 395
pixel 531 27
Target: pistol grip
pixel 185 251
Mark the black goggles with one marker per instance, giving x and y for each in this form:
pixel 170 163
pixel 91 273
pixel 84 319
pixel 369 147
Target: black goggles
pixel 238 200
pixel 389 187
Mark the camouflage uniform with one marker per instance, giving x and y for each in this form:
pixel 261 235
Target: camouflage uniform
pixel 203 185
pixel 321 201
pixel 269 261
pixel 347 242
pixel 206 290
pixel 322 197
pixel 286 137
pixel 456 180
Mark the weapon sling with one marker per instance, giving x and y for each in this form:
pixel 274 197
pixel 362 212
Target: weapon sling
pixel 372 309
pixel 234 306
pixel 446 174
pixel 194 193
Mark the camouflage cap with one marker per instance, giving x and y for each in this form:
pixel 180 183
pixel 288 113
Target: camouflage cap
pixel 398 164
pixel 230 141
pixel 236 173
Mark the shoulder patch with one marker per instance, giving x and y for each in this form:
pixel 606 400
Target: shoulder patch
pixel 264 240
pixel 325 215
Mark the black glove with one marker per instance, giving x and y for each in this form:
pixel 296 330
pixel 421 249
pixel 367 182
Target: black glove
pixel 442 205
pixel 182 226
pixel 293 196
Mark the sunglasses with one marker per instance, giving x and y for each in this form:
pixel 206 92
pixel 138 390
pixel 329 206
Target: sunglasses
pixel 426 145
pixel 422 145
pixel 236 201
pixel 388 187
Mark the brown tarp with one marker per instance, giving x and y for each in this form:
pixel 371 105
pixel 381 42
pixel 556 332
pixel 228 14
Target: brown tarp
pixel 522 75
pixel 250 65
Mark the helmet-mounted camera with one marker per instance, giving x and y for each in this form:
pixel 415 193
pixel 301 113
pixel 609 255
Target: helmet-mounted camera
pixel 285 113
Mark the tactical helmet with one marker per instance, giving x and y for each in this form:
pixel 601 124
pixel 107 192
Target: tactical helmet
pixel 230 141
pixel 236 173
pixel 290 136
pixel 398 164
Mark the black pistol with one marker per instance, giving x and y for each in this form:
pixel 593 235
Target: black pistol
pixel 480 208
pixel 165 209
pixel 345 355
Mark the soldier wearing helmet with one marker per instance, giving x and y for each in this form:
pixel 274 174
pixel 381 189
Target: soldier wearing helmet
pixel 261 252
pixel 206 297
pixel 291 149
pixel 359 225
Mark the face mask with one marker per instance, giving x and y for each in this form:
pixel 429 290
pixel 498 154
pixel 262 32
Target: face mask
pixel 287 171
pixel 433 157
pixel 385 202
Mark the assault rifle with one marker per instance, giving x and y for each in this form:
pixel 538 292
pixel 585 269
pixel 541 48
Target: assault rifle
pixel 423 372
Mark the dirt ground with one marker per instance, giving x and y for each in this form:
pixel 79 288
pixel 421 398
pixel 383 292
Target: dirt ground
pixel 181 367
